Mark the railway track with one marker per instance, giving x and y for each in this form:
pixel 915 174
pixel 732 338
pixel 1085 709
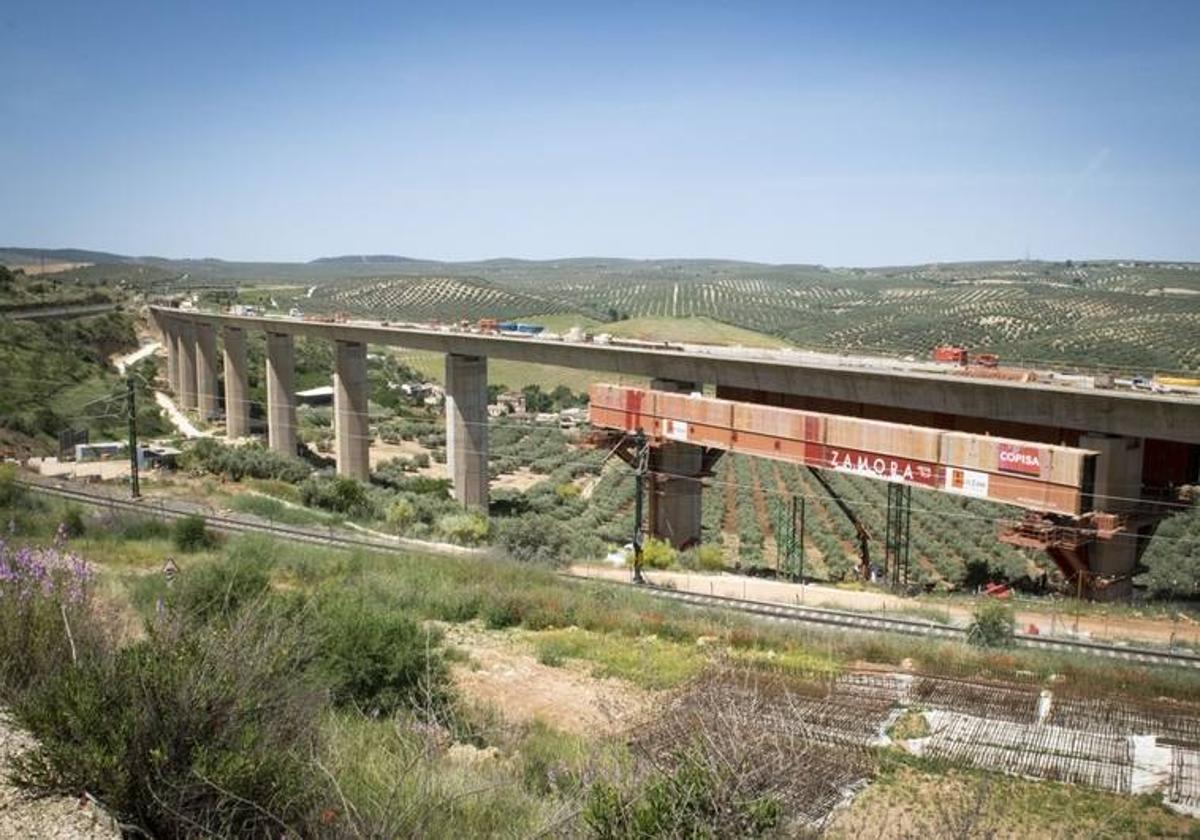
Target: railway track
pixel 821 616
pixel 233 525
pixel 842 619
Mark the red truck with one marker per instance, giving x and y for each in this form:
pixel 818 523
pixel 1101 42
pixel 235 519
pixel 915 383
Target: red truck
pixel 949 353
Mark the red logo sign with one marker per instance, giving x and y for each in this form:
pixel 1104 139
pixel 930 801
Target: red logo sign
pixel 1026 460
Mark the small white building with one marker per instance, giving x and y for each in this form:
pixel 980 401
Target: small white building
pixel 321 395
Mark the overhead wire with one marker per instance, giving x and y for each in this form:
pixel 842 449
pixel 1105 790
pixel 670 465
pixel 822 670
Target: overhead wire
pixel 857 504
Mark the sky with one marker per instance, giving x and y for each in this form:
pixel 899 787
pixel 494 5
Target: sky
pixel 836 133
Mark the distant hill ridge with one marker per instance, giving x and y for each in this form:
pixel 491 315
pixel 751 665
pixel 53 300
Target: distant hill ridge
pixel 16 255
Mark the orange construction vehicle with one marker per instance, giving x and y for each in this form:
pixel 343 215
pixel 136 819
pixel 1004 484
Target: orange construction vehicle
pixel 949 353
pixel 489 325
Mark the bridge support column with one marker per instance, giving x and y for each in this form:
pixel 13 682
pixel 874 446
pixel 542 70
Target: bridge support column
pixel 466 428
pixel 1118 487
pixel 351 423
pixel 281 393
pixel 206 371
pixel 176 342
pixel 237 389
pixel 169 341
pixel 187 366
pixel 675 511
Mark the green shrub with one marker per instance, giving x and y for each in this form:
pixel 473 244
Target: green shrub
pixel 252 460
pixel 539 538
pixel 72 523
pixel 705 558
pixel 503 611
pixel 464 528
pixel 186 733
pixel 657 554
pixel 340 495
pixel 687 801
pixel 566 491
pixel 377 659
pixel 401 514
pixel 141 528
pixel 191 534
pixel 11 493
pixel 219 588
pixel 992 625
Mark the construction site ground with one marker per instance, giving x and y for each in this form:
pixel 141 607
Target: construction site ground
pixel 502 671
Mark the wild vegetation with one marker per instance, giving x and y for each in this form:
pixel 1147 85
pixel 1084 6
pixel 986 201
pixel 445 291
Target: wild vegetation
pixel 57 376
pixel 328 707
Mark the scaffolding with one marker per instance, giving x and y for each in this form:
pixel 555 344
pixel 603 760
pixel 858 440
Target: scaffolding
pixel 896 540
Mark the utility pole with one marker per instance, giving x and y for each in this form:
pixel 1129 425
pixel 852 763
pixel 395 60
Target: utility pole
pixel 134 490
pixel 640 459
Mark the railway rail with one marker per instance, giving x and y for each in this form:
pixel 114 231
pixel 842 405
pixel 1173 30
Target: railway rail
pixel 829 618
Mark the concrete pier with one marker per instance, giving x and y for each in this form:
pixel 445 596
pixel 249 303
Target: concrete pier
pixel 187 366
pixel 350 420
pixel 466 428
pixel 281 393
pixel 206 372
pixel 169 341
pixel 237 389
pixel 1117 488
pixel 675 511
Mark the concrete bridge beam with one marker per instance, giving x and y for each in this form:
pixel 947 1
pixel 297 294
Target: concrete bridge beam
pixel 237 388
pixel 466 428
pixel 206 372
pixel 187 366
pixel 281 393
pixel 351 424
pixel 675 496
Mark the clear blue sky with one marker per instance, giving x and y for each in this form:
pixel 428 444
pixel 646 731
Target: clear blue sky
pixel 848 134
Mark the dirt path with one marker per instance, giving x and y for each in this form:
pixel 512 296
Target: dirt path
pixel 178 419
pixel 58 817
pixel 503 672
pixel 122 362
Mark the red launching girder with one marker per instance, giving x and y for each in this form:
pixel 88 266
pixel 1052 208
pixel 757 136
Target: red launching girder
pixel 1055 479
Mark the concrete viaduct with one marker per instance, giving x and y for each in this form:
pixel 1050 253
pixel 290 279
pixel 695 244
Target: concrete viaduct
pixel 1147 441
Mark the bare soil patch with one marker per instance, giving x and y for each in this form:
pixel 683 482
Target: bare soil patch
pixel 504 673
pixel 34 269
pixel 521 479
pixel 58 817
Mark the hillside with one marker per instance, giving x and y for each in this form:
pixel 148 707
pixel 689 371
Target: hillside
pixel 1139 316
